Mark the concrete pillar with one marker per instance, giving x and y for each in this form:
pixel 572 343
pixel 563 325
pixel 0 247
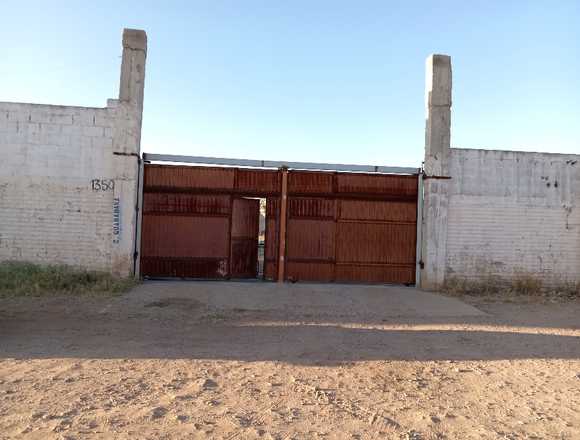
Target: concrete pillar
pixel 128 113
pixel 131 91
pixel 436 166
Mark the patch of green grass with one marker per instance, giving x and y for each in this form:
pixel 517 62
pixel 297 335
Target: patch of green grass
pixel 28 279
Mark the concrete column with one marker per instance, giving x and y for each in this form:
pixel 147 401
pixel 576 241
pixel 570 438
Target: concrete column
pixel 436 166
pixel 133 66
pixel 128 113
pixel 131 91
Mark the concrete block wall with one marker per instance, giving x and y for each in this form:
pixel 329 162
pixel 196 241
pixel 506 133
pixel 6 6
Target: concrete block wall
pixel 69 176
pixel 491 213
pixel 513 214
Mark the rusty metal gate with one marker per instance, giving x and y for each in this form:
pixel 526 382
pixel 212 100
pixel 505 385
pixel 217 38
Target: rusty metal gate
pixel 197 223
pixel 351 227
pixel 202 222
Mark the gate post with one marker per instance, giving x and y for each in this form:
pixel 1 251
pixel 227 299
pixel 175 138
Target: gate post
pixel 282 230
pixel 436 170
pixel 126 138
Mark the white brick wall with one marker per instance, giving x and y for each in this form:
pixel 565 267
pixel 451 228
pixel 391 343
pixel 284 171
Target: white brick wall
pixel 69 175
pixel 513 212
pixel 50 211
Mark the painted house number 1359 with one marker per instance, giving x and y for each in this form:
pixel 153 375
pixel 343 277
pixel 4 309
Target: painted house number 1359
pixel 102 184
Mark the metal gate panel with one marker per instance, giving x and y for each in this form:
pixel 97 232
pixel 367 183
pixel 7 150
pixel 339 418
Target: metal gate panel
pixel 342 226
pixel 374 274
pixel 185 204
pixel 353 227
pixel 310 240
pixel 378 211
pixel 185 246
pixel 311 232
pixel 310 182
pixel 317 208
pixel 185 235
pixel 271 244
pixel 309 271
pixel 185 178
pixel 395 186
pixel 245 229
pixel 374 243
pixel 257 181
pixel 187 230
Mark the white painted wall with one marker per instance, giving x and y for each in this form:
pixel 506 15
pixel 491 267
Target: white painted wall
pixel 487 213
pixel 511 213
pixel 69 176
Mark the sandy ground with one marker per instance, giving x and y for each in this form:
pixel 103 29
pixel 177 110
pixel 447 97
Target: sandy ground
pixel 242 361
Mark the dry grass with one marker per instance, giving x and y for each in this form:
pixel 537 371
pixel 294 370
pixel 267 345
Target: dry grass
pixel 521 285
pixel 28 279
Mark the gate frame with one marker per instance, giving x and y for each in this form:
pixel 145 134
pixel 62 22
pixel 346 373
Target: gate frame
pixel 283 167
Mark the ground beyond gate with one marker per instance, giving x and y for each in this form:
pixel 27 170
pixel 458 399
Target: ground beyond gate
pixel 202 222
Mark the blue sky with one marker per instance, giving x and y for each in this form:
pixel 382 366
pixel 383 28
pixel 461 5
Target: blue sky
pixel 325 81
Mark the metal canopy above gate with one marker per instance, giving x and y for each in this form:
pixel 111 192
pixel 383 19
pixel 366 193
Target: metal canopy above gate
pixel 151 157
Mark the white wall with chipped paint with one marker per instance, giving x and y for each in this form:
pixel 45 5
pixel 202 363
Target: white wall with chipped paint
pixel 513 213
pixel 69 176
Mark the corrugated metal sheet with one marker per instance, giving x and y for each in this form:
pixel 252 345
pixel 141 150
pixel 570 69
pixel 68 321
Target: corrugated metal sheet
pixel 386 185
pixel 311 207
pixel 304 182
pixel 362 229
pixel 245 218
pixel 175 203
pixel 302 271
pixel 184 267
pixel 271 244
pixel 257 181
pixel 184 246
pixel 180 236
pixel 184 178
pixel 310 240
pixel 244 238
pixel 375 274
pixel 375 243
pixel 378 211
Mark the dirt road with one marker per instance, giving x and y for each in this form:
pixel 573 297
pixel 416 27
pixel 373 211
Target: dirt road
pixel 218 360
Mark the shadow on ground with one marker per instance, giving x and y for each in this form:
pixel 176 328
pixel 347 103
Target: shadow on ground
pixel 188 326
